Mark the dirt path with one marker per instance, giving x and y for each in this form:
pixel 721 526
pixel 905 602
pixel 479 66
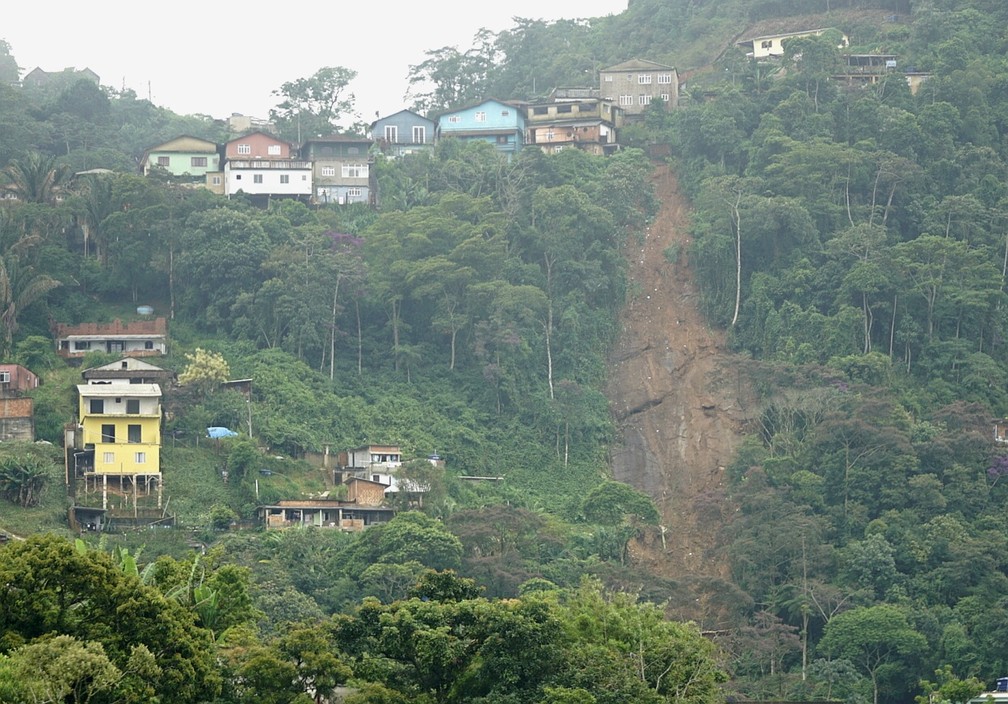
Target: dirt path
pixel 679 425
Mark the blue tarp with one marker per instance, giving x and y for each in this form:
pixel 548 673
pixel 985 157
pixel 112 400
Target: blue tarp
pixel 220 433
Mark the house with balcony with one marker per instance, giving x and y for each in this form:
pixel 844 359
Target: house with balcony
pixel 184 157
pixel 633 84
pixel 117 437
pixel 403 133
pixel 137 338
pixel 771 46
pixel 561 122
pixel 341 169
pixel 262 166
pixel 498 123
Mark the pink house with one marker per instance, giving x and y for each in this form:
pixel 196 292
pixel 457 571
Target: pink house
pixel 15 380
pixel 259 164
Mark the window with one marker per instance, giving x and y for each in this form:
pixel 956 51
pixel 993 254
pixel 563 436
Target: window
pixel 97 405
pixel 197 161
pixel 644 79
pixel 391 133
pixel 766 44
pixel 215 180
pixel 237 177
pixel 505 113
pixel 256 178
pixel 140 458
pixel 133 433
pixel 82 345
pixel 4 377
pixel 626 100
pixel 107 432
pixel 644 99
pixel 480 116
pixel 244 148
pixel 273 150
pixel 665 98
pixel 354 193
pixel 549 135
pixel 608 79
pixel 148 344
pixel 454 118
pixel 108 457
pixel 355 170
pixel 503 139
pixel 419 134
pixel 133 406
pixel 665 78
pixel 284 178
pixel 328 170
pixel 163 161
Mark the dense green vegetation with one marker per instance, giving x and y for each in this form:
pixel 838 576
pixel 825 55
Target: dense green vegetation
pixel 851 241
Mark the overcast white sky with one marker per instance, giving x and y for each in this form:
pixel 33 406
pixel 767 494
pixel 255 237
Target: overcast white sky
pixel 219 58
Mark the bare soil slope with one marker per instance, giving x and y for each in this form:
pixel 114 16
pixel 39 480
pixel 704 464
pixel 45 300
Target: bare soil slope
pixel 672 392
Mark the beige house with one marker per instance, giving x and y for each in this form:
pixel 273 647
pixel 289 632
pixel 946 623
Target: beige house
pixel 633 84
pixel 578 122
pixel 772 45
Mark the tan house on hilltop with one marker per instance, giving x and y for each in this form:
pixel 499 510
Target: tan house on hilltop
pixel 633 84
pixel 771 46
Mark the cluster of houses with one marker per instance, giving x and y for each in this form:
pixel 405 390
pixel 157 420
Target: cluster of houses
pixel 113 446
pixel 337 169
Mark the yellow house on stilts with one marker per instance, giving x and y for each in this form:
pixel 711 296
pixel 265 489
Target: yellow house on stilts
pixel 118 438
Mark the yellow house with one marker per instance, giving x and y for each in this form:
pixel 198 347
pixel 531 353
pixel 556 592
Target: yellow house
pixel 121 422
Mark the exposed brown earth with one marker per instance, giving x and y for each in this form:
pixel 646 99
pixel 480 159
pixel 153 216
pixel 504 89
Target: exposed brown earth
pixel 674 395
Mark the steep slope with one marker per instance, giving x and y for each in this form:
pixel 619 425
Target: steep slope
pixel 674 395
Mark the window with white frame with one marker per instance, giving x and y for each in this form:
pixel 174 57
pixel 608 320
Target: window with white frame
pixel 355 170
pixel 608 79
pixel 273 150
pixel 163 161
pixel 328 170
pixel 549 135
pixel 643 99
pixel 4 377
pixel 108 457
pixel 419 134
pixel 244 148
pixel 215 180
pixel 391 134
pixel 665 97
pixel 284 178
pixel 354 193
pixel 454 119
pixel 480 116
pixel 257 178
pixel 665 78
pixel 140 457
pixel 626 100
pixel 644 78
pixel 197 161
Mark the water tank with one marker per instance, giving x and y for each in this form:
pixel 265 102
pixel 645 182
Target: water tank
pixel 145 310
pixel 1002 685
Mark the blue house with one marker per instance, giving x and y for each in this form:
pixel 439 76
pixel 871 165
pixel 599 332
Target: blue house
pixel 493 121
pixel 404 132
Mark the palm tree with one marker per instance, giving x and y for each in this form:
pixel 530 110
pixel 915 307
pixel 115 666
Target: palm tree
pixel 36 178
pixel 20 286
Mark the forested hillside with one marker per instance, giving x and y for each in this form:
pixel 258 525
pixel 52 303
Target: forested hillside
pixel 848 243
